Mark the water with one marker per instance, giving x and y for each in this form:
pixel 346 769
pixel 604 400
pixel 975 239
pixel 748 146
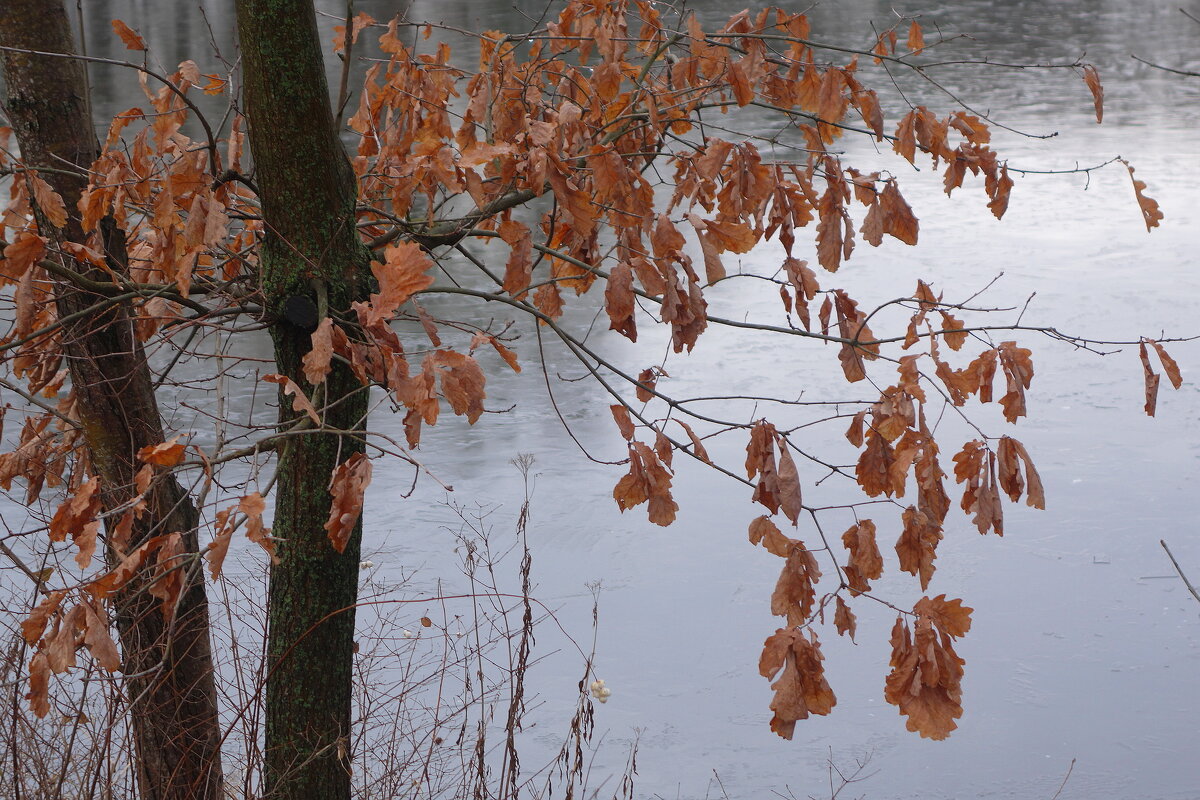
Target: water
pixel 1083 648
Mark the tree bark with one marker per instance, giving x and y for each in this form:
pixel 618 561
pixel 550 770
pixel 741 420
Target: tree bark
pixel 311 254
pixel 173 710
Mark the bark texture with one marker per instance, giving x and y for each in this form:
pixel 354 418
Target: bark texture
pixel 311 254
pixel 173 711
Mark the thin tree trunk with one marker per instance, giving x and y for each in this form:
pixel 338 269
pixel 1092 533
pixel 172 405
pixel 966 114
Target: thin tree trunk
pixel 311 255
pixel 173 710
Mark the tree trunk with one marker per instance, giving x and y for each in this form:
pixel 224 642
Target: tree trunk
pixel 312 256
pixel 173 710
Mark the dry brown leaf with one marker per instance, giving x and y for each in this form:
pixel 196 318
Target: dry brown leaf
pixel 1018 370
pixel 874 465
pixel 1170 367
pixel 917 546
pixel 952 331
pixel 898 218
pixel 167 580
pixel 916 39
pixel 348 486
pixel 97 639
pixel 1152 380
pixel 462 382
pixel 618 301
pixel 865 558
pixel 764 531
pixel 1151 214
pixel 647 480
pixel 926 678
pixel 624 422
pixel 1092 78
pixel 795 592
pixel 760 461
pixel 801 689
pixel 166 454
pixel 509 356
pixel 121 574
pixel 854 434
pixel 76 511
pixel 518 272
pixel 39 685
pixel 647 380
pixel 22 253
pixel 131 39
pixel 317 360
pixel 48 201
pixel 300 401
pixel 791 501
pixel 950 617
pixel 1000 193
pixel 1009 453
pixel 401 275
pixel 216 550
pixel 697 445
pixel 253 505
pixel 844 620
pixel 33 625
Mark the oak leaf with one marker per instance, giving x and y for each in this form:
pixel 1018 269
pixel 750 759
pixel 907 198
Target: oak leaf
pixel 518 271
pixel 509 356
pixel 130 37
pixel 916 39
pixel 844 620
pixel 917 545
pixel 39 685
pixel 865 559
pixel 1170 367
pixel 795 592
pixel 618 301
pixel 950 617
pixel 697 445
pixel 1092 78
pixel 1008 454
pixel 75 514
pixel 253 505
pixel 1152 380
pixel 21 254
pixel 300 401
pixel 801 688
pixel 34 625
pixel 217 549
pixel 999 193
pixel 791 501
pixel 647 380
pixel 647 480
pixel 763 531
pixel 317 360
pixel 1018 370
pixel 462 382
pixel 347 486
pixel 401 275
pixel 165 454
pixel 167 576
pixel 97 639
pixel 48 201
pixel 874 465
pixel 1151 214
pixel 624 423
pixel 926 677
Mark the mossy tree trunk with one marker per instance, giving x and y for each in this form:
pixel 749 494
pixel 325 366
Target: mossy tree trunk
pixel 173 713
pixel 311 255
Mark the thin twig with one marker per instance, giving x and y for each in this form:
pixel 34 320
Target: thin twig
pixel 1178 569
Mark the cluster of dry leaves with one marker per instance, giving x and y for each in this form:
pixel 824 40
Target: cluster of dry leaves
pixel 585 112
